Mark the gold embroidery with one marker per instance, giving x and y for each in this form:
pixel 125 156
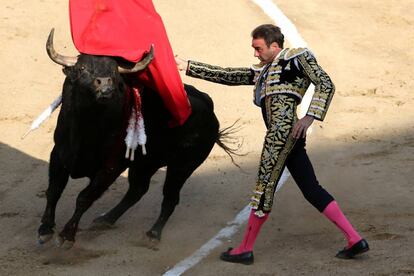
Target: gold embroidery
pixel 228 76
pixel 281 115
pixel 259 213
pixel 324 88
pixel 273 78
pixel 287 68
pixel 294 52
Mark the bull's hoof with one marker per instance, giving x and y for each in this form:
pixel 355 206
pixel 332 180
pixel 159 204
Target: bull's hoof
pixel 64 244
pixel 154 235
pixel 144 241
pixel 45 234
pixel 42 239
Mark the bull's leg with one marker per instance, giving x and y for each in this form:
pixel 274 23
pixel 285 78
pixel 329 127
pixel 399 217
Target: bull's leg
pixel 174 181
pixel 139 179
pixel 58 178
pixel 98 185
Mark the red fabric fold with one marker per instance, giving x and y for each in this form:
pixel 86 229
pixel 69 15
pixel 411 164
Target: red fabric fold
pixel 127 28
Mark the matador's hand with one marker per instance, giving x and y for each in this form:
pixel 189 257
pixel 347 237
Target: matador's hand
pixel 181 63
pixel 301 126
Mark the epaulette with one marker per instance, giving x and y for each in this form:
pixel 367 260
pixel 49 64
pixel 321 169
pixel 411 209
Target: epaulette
pixel 257 67
pixel 294 52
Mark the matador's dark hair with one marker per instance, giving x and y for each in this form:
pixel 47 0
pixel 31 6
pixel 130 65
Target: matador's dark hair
pixel 270 33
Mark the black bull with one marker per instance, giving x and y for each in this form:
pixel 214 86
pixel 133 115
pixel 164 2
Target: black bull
pixel 89 142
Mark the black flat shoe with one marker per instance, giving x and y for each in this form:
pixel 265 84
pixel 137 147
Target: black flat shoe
pixel 358 248
pixel 246 258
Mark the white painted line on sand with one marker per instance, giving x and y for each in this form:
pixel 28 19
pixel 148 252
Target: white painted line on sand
pixel 216 241
pixel 294 38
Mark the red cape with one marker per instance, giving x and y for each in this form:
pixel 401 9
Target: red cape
pixel 127 28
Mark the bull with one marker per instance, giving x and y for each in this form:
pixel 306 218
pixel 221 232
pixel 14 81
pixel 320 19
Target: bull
pixel 89 135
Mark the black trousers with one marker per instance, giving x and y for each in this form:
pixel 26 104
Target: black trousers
pixel 301 169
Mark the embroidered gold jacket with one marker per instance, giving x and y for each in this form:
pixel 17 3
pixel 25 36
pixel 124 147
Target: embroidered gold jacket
pixel 290 73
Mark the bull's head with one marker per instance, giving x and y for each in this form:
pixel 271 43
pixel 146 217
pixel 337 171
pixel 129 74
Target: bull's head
pixel 99 74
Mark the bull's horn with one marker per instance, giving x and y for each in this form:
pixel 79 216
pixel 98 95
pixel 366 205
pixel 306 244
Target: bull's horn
pixel 59 59
pixel 140 65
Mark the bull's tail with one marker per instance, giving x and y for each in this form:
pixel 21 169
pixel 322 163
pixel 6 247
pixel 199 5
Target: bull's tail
pixel 226 137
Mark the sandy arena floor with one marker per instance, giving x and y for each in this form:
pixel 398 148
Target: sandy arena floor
pixel 363 151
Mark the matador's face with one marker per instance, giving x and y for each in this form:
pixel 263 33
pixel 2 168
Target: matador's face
pixel 264 53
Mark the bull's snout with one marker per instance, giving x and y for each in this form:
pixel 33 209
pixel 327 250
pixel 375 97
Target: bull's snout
pixel 102 82
pixel 104 86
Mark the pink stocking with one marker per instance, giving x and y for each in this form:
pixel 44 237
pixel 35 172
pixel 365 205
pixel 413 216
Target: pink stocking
pixel 334 214
pixel 251 233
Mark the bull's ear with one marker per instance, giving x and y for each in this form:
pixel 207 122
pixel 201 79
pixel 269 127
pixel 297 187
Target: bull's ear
pixel 69 72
